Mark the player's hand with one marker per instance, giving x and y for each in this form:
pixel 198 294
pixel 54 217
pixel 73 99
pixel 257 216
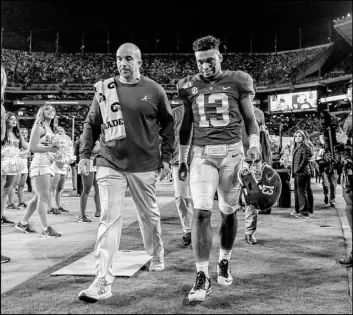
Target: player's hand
pixel 164 171
pixel 254 153
pixel 83 165
pixel 183 171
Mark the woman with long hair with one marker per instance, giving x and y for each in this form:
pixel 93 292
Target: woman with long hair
pixel 4 259
pixel 21 178
pixel 301 174
pixel 41 170
pixel 60 171
pixel 12 138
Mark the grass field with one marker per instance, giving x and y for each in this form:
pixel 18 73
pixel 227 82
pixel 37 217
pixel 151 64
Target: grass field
pixel 292 270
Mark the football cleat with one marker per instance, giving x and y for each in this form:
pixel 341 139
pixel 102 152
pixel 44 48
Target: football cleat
pixel 261 183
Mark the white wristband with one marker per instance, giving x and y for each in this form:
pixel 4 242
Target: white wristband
pixel 183 153
pixel 254 141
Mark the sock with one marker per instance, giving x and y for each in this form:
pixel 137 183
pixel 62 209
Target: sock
pixel 224 254
pixel 203 266
pixel 45 229
pixel 24 223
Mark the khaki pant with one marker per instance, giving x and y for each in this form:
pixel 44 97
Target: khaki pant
pixel 112 186
pixel 183 200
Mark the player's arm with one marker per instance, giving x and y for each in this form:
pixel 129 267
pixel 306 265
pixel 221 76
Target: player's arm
pixel 247 111
pixel 91 130
pixel 185 140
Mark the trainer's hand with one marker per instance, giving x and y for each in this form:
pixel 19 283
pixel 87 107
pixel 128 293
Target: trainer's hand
pixel 164 171
pixel 83 165
pixel 182 171
pixel 254 153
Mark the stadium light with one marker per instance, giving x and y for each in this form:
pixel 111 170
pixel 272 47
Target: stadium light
pixel 348 15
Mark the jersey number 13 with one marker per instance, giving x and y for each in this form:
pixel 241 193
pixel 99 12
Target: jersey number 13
pixel 221 109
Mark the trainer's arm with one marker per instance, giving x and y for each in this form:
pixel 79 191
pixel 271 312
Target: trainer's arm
pixel 165 118
pixel 91 130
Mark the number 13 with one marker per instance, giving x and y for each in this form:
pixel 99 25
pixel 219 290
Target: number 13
pixel 202 99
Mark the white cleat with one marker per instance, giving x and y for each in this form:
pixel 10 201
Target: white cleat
pixel 96 292
pixel 223 275
pixel 201 288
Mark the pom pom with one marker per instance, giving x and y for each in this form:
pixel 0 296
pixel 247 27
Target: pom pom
pixel 65 154
pixel 11 162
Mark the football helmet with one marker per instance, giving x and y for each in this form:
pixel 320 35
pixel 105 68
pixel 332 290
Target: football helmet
pixel 261 184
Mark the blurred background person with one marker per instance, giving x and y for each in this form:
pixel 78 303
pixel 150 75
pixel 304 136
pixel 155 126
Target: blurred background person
pixel 87 183
pixel 345 137
pixel 12 138
pixel 21 178
pixel 301 173
pixel 312 172
pixel 182 191
pixel 58 183
pixel 4 259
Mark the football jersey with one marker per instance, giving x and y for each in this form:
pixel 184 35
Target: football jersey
pixel 215 106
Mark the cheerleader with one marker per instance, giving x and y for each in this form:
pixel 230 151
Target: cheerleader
pixel 41 171
pixel 20 178
pixel 8 177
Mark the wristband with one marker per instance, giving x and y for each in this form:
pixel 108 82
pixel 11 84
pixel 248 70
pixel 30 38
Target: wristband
pixel 183 153
pixel 254 141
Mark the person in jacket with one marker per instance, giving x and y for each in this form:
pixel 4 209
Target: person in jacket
pixel 301 174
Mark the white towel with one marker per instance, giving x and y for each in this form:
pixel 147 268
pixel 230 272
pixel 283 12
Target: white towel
pixel 107 96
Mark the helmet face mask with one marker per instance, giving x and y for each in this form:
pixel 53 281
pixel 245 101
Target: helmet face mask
pixel 261 184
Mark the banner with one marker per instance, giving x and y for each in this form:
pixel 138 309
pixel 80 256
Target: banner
pixel 50 102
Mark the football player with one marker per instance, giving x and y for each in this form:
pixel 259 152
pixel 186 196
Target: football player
pixel 217 104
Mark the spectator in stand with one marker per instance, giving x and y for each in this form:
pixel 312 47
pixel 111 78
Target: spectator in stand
pixel 301 173
pixel 12 138
pixel 87 183
pixel 57 186
pixel 41 171
pixel 20 178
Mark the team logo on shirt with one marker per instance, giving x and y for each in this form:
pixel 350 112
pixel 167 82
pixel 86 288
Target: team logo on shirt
pixel 187 85
pixel 194 90
pixel 115 107
pixel 144 98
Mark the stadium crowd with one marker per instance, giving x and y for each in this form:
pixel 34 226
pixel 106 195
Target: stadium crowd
pixel 266 69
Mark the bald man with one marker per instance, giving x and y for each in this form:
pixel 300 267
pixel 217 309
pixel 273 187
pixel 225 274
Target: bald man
pixel 129 113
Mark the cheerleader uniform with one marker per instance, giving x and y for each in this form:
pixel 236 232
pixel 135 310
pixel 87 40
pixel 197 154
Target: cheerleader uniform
pixel 16 144
pixel 41 163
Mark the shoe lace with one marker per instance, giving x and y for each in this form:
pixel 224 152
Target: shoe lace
pixel 223 266
pixel 200 280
